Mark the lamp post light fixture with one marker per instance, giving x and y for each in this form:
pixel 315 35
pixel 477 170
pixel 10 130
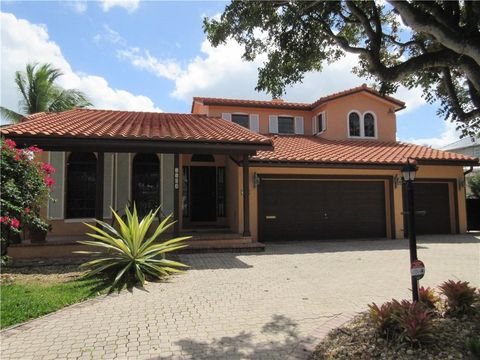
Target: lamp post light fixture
pixel 417 269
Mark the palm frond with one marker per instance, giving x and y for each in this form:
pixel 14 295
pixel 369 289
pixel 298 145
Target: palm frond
pixel 10 115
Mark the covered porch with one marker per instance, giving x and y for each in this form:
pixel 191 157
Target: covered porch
pixel 204 183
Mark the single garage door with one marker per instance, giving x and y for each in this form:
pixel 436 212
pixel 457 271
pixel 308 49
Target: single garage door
pixel 311 209
pixel 433 198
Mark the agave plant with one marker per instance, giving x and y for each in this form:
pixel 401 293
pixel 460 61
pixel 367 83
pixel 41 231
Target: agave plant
pixel 129 253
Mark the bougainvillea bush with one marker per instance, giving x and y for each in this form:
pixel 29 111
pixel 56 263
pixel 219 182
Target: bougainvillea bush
pixel 25 187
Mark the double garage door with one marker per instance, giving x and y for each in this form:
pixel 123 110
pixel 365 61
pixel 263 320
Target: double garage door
pixel 322 209
pixel 316 209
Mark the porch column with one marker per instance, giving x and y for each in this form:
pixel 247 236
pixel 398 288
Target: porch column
pixel 99 185
pixel 176 194
pixel 246 197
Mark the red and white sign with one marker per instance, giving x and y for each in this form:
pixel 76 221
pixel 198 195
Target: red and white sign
pixel 417 269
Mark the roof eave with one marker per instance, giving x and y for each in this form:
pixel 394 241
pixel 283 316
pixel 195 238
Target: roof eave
pixel 63 143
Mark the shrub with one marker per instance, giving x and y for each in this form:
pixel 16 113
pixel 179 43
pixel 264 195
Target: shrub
pixel 382 318
pixel 460 296
pixel 428 297
pixel 473 345
pixel 25 188
pixel 414 321
pixel 474 185
pixel 131 256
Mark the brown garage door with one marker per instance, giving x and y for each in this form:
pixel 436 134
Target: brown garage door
pixel 321 209
pixel 433 198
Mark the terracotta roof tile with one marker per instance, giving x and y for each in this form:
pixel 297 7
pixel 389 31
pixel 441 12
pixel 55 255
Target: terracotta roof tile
pixel 134 125
pixel 280 104
pixel 312 149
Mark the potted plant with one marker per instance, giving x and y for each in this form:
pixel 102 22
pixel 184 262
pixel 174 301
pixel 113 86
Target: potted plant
pixel 38 229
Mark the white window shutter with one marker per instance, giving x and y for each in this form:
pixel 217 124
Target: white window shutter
pixel 254 123
pixel 314 125
pixel 273 124
pixel 56 206
pixel 227 116
pixel 299 125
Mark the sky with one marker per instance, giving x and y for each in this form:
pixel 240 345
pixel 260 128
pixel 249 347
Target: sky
pixel 154 56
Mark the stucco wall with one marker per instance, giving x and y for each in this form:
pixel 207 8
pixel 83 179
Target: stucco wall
pixel 336 114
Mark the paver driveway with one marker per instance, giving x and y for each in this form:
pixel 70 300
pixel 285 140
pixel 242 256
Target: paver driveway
pixel 242 306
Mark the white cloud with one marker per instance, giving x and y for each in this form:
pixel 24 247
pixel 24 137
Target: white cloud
pixel 109 35
pixel 129 5
pixel 24 42
pixel 79 6
pixel 448 136
pixel 145 61
pixel 222 72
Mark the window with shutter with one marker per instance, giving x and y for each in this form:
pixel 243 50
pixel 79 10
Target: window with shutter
pixel 286 125
pixel 241 119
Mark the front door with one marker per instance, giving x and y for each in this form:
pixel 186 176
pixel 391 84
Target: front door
pixel 203 193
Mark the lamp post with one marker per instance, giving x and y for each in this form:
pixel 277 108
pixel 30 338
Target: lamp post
pixel 408 175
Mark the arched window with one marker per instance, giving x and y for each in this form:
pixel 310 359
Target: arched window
pixel 203 158
pixel 369 125
pixel 146 182
pixel 354 124
pixel 81 178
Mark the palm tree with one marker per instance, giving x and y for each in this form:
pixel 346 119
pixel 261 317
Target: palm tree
pixel 40 93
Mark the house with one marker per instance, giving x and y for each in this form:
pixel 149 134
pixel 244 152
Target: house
pixel 260 170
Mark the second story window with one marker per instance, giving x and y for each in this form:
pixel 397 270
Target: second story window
pixel 369 125
pixel 320 125
pixel 362 126
pixel 286 125
pixel 241 119
pixel 354 124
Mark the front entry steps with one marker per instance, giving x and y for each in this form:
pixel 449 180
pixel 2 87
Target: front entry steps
pixel 59 249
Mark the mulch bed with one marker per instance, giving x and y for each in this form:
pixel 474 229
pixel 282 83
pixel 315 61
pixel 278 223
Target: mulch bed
pixel 357 339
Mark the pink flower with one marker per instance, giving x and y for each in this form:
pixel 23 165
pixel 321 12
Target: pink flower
pixel 49 169
pixel 11 144
pixel 4 219
pixel 17 158
pixel 35 149
pixel 27 210
pixel 49 181
pixel 15 223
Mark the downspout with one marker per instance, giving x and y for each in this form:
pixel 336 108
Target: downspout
pixel 468 171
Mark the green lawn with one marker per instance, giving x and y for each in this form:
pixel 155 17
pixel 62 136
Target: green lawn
pixel 37 292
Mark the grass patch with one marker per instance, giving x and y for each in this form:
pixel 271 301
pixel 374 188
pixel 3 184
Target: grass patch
pixel 32 292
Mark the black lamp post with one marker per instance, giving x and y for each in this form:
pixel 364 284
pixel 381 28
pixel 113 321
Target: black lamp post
pixel 408 175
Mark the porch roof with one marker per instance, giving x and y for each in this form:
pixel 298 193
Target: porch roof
pixel 315 150
pixel 119 130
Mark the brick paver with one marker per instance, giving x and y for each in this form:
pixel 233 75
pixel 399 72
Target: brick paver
pixel 242 306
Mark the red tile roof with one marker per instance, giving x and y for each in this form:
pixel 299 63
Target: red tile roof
pixel 280 104
pixel 134 125
pixel 312 149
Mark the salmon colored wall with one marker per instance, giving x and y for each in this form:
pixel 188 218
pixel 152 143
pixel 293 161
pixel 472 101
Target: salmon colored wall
pixel 336 113
pixel 199 108
pixel 263 115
